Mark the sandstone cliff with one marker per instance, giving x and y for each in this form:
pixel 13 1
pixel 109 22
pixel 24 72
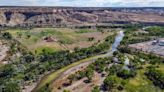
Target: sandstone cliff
pixel 55 16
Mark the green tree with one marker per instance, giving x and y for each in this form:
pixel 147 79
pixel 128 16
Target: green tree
pixel 66 90
pixel 28 57
pixel 81 74
pixel 126 73
pixel 110 82
pixel 11 87
pixel 96 89
pixel 19 34
pixel 28 36
pixel 71 78
pixel 7 35
pixel 89 74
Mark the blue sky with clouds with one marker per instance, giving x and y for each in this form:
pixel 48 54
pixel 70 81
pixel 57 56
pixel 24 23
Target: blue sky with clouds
pixel 85 3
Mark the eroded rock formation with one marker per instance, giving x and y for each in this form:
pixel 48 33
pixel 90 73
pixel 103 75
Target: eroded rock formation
pixel 54 16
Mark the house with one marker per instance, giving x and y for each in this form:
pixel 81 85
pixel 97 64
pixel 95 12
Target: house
pixel 49 39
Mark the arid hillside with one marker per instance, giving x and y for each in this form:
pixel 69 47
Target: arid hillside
pixel 65 16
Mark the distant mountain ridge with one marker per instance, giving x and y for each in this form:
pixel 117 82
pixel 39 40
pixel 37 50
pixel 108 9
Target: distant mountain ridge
pixel 64 16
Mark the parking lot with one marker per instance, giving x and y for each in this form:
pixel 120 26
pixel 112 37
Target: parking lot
pixel 149 47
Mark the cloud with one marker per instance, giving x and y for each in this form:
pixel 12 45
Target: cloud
pixel 85 3
pixel 18 2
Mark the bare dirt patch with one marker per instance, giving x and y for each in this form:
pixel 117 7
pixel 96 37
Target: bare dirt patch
pixel 58 83
pixel 3 52
pixel 81 86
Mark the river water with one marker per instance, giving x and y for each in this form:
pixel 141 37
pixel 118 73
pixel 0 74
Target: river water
pixel 116 43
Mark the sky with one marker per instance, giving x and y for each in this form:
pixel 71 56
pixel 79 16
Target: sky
pixel 85 3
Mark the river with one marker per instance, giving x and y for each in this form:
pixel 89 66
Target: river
pixel 77 65
pixel 116 43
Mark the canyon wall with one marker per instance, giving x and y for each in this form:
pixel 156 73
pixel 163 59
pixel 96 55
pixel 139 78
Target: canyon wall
pixel 57 16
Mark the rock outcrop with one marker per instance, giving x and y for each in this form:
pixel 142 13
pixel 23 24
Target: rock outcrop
pixel 57 16
pixel 2 18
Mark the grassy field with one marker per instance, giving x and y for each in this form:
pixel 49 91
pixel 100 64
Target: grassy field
pixel 85 31
pixel 65 38
pixel 141 84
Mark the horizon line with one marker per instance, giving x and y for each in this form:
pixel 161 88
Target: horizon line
pixel 87 6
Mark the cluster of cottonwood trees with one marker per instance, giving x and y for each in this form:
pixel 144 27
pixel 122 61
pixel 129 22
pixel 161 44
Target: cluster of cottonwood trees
pixel 88 73
pixel 133 36
pixel 156 76
pixel 100 66
pixel 28 68
pixel 117 74
pixel 155 31
pixel 114 73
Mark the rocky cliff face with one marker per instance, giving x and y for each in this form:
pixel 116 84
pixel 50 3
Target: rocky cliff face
pixel 50 16
pixel 2 18
pixel 16 18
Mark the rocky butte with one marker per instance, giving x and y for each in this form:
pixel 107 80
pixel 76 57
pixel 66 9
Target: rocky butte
pixel 67 16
